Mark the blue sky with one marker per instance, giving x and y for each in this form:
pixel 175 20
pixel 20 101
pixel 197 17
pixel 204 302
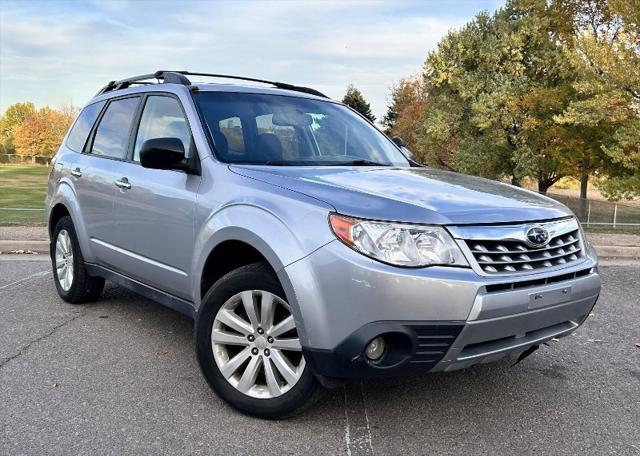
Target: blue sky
pixel 61 52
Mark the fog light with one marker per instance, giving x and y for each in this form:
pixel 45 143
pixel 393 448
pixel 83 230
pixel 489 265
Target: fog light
pixel 375 349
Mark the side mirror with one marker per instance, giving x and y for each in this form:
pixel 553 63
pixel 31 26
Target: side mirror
pixel 407 152
pixel 162 153
pixel 398 141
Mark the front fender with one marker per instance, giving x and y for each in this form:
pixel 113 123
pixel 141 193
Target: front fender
pixel 279 242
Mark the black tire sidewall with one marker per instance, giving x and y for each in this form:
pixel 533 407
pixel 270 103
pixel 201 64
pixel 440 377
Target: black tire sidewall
pixel 260 277
pixel 65 223
pixel 84 288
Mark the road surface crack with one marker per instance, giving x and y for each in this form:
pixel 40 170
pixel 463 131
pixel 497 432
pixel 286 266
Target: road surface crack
pixel 26 347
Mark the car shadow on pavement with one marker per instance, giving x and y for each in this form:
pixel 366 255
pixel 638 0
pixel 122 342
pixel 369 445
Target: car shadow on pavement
pixel 492 379
pixel 479 386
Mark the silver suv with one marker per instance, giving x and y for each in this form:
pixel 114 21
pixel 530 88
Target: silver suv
pixel 307 246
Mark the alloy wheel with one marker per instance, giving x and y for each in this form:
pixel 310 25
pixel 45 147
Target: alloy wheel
pixel 64 260
pixel 256 346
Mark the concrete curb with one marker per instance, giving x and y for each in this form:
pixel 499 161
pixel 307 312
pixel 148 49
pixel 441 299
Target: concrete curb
pixel 24 246
pixel 604 251
pixel 614 251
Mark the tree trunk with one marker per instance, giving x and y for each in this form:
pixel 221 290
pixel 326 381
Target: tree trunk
pixel 543 185
pixel 582 209
pixel 515 181
pixel 584 182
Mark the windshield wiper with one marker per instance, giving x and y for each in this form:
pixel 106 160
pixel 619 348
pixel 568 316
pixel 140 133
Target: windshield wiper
pixel 359 163
pixel 277 163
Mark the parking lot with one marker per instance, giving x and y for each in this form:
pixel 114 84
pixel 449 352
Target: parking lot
pixel 120 377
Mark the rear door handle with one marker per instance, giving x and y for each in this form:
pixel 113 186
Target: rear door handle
pixel 76 172
pixel 123 183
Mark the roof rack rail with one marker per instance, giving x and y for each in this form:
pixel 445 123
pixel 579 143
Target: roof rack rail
pixel 179 77
pixel 166 76
pixel 279 85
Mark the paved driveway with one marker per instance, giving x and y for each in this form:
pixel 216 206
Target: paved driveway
pixel 120 377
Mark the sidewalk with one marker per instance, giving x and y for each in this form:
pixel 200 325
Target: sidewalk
pixel 24 239
pixel 35 239
pixel 609 245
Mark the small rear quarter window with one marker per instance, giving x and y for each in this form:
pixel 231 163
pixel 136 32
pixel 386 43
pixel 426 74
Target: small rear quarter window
pixel 81 128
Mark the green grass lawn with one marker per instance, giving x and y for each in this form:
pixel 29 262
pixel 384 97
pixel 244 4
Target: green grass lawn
pixel 25 186
pixel 22 186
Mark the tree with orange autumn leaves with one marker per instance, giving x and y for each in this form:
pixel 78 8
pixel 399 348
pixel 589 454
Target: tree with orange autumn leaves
pixel 25 130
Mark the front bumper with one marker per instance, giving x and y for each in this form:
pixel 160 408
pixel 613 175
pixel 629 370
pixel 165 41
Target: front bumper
pixel 437 319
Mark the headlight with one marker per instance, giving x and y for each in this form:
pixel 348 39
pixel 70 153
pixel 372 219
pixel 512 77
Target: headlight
pixel 399 244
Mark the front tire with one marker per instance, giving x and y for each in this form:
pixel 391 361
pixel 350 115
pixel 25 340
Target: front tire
pixel 72 281
pixel 248 346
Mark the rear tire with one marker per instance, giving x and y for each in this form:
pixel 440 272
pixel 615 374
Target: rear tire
pixel 70 276
pixel 245 328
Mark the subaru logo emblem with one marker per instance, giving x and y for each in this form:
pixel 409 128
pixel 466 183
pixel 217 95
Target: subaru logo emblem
pixel 537 236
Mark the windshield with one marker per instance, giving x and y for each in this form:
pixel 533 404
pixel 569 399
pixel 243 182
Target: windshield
pixel 282 130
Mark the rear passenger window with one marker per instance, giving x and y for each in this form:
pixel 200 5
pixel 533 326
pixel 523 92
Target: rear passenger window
pixel 112 134
pixel 162 118
pixel 82 127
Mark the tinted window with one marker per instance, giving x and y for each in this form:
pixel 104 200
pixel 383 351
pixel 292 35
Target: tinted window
pixel 82 127
pixel 292 131
pixel 162 118
pixel 112 135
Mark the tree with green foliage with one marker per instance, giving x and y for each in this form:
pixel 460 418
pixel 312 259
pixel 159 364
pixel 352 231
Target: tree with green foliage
pixel 12 118
pixel 494 87
pixel 354 99
pixel 540 89
pixel 603 44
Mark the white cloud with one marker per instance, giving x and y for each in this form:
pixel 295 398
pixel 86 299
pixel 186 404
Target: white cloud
pixel 50 54
pixel 404 39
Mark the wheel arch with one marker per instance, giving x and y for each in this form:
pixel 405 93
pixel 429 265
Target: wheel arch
pixel 57 212
pixel 252 233
pixel 230 248
pixel 225 257
pixel 63 203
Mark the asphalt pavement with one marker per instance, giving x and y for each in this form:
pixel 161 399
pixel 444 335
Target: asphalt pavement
pixel 120 377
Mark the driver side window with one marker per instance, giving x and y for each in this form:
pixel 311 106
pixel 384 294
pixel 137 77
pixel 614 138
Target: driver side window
pixel 162 118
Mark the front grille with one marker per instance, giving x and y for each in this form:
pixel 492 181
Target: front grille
pixel 505 249
pixel 433 342
pixel 497 287
pixel 513 256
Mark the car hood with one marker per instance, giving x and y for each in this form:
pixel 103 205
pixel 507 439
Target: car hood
pixel 415 195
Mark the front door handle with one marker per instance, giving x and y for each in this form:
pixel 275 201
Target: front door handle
pixel 76 172
pixel 123 183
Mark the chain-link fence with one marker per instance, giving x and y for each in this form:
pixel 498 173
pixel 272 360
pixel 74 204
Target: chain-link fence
pixel 602 213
